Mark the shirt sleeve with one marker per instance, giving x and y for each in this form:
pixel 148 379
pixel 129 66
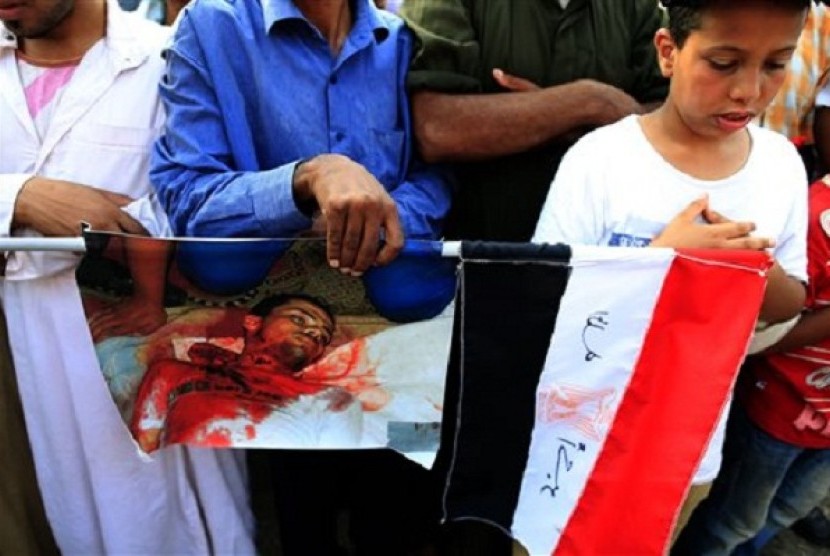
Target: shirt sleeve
pixel 151 215
pixel 192 166
pixel 572 211
pixel 448 55
pixel 649 84
pixel 791 250
pixel 10 186
pixel 423 201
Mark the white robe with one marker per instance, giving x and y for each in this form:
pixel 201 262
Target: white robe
pixel 99 495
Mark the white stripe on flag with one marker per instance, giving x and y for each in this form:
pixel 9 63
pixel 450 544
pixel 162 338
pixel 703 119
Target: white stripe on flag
pixel 594 349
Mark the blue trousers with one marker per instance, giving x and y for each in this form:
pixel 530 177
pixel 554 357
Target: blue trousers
pixel 764 486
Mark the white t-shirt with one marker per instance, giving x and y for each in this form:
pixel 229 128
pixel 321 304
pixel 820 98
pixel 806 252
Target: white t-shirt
pixel 613 188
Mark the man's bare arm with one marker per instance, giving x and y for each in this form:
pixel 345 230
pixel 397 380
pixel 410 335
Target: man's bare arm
pixel 474 127
pixel 57 208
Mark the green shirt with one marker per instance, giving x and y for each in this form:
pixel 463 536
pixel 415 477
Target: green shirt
pixel 463 40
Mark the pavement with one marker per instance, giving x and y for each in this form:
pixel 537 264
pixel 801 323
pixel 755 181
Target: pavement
pixel 788 543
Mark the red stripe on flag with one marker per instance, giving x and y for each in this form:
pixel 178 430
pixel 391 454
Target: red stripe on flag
pixel 691 353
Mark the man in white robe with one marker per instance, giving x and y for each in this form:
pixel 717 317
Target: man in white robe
pixel 78 115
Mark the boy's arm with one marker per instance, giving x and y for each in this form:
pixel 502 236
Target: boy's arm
pixel 813 327
pixel 783 298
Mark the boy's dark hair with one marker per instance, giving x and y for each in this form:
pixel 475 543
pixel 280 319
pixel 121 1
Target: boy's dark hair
pixel 685 15
pixel 264 307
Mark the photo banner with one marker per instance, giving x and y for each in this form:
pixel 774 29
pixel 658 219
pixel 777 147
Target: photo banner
pixel 260 344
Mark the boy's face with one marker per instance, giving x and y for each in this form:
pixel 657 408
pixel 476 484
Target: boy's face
pixel 730 69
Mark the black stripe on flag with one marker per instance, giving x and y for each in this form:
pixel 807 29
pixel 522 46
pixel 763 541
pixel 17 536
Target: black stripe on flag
pixel 507 306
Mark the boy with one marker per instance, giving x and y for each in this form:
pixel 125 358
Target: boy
pixel 657 179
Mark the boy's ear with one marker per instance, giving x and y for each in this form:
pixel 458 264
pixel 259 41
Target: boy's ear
pixel 666 51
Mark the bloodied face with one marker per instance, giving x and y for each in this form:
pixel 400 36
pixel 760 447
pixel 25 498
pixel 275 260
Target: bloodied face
pixel 292 335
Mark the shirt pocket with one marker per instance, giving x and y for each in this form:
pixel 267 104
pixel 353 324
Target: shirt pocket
pixel 115 137
pixel 115 158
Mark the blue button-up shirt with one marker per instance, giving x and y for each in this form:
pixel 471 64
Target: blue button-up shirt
pixel 252 88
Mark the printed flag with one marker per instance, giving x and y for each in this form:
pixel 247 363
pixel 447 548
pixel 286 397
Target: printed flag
pixel 583 388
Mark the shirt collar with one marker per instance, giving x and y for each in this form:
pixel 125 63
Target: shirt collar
pixel 7 39
pixel 368 16
pixel 127 48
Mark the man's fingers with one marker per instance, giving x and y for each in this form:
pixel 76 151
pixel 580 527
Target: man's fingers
pixel 130 225
pixel 335 218
pixel 394 237
pixel 368 251
pixel 352 237
pixel 513 83
pixel 116 198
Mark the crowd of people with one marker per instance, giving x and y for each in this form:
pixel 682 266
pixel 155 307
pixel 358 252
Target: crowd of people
pixel 686 124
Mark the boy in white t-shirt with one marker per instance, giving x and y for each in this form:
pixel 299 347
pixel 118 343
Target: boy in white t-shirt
pixel 696 173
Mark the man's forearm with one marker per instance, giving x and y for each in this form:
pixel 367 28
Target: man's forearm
pixel 473 127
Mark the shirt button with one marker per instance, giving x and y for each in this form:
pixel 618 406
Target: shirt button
pixel 333 79
pixel 338 136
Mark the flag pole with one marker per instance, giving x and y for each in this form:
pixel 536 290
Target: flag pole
pixel 43 244
pixel 447 249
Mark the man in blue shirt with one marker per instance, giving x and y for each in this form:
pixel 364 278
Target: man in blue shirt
pixel 286 113
pixel 283 111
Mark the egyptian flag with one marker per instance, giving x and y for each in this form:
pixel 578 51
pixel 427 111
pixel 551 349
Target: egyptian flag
pixel 584 385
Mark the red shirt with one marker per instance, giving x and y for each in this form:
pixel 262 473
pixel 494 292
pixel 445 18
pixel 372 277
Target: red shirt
pixel 788 395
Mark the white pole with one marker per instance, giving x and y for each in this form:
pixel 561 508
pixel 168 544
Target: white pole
pixel 449 249
pixel 43 244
